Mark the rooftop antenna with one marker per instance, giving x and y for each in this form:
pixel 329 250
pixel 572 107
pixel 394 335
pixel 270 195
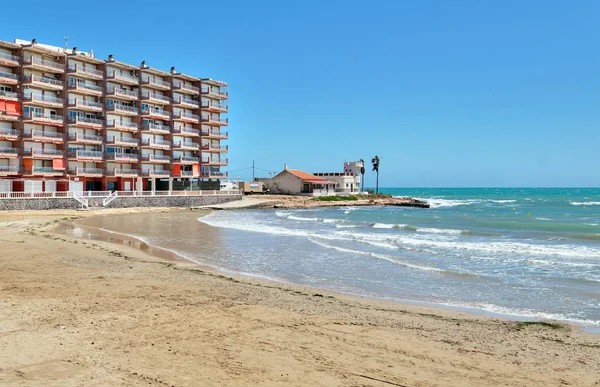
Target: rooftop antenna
pixel 66 42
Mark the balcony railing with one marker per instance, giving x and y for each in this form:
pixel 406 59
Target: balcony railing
pixel 9 169
pixel 156 172
pixel 8 94
pixel 215 147
pixel 189 159
pixel 45 63
pixel 44 98
pixel 155 112
pixel 43 116
pixel 157 97
pixel 184 86
pixel 77 102
pixel 214 92
pixel 50 170
pixel 183 130
pixel 149 126
pixel 214 105
pixel 9 150
pixel 150 157
pixel 123 140
pixel 85 86
pixel 84 137
pixel 36 78
pixel 122 108
pixel 86 171
pixel 125 93
pixel 186 116
pixel 81 153
pixel 215 133
pixel 125 77
pixel 42 134
pixel 216 120
pixel 123 156
pixel 77 68
pixel 43 152
pixel 77 119
pixel 122 172
pixel 187 101
pixel 10 57
pixel 150 142
pixel 9 75
pixel 213 174
pixel 157 82
pixel 9 132
pixel 182 144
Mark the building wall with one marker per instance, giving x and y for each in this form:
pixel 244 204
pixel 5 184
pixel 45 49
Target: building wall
pixel 286 183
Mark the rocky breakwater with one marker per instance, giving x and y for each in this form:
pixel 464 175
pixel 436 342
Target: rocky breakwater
pixel 305 202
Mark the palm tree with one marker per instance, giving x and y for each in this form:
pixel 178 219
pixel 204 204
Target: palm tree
pixel 362 172
pixel 375 162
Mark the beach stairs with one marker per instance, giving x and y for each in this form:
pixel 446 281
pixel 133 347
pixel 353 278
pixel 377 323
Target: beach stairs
pixel 94 202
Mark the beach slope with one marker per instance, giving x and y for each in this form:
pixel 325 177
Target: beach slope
pixel 79 312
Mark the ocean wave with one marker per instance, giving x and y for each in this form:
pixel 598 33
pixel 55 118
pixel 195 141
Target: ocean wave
pixel 347 226
pixel 543 219
pixel 385 225
pixel 585 203
pixel 440 231
pixel 562 263
pixel 441 203
pixel 375 243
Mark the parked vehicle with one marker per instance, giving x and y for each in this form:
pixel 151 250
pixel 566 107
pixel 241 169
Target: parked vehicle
pixel 254 188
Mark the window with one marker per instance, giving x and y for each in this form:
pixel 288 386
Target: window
pixel 5 88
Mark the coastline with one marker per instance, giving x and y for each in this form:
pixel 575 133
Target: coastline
pixel 311 338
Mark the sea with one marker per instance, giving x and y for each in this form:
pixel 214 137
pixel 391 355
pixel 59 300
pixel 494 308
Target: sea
pixel 517 253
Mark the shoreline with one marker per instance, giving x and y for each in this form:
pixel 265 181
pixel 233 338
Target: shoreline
pixel 165 253
pixel 97 312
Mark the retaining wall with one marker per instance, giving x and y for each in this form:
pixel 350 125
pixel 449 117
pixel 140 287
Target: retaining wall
pixel 119 202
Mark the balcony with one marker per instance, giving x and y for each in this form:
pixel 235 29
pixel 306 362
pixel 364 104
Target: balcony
pixel 151 127
pixel 123 126
pixel 186 102
pixel 214 106
pixel 123 79
pixel 9 134
pixel 89 172
pixel 186 117
pixel 44 136
pixel 186 160
pixel 9 60
pixel 216 121
pixel 43 100
pixel 183 173
pixel 156 98
pixel 156 159
pixel 43 153
pixel 122 141
pixel 79 138
pixel 215 93
pixel 122 172
pixel 157 114
pixel 85 71
pixel 181 145
pixel 156 84
pixel 156 144
pixel 85 105
pixel 43 118
pixel 9 95
pixel 86 123
pixel 186 132
pixel 123 109
pixel 123 157
pixel 8 78
pixel 9 170
pixel 42 171
pixel 123 94
pixel 213 175
pixel 88 89
pixel 215 148
pixel 85 155
pixel 215 134
pixel 215 162
pixel 45 83
pixel 185 88
pixel 157 173
pixel 8 152
pixel 44 64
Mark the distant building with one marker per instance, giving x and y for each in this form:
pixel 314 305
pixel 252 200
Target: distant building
pixel 347 182
pixel 296 182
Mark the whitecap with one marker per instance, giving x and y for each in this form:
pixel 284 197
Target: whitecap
pixel 585 203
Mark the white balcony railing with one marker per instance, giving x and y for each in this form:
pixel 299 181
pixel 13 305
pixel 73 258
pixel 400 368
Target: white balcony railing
pixel 84 137
pixel 9 150
pixel 94 121
pixel 46 63
pixel 158 97
pixel 153 126
pixel 81 69
pixel 133 94
pixel 9 132
pixel 44 98
pixel 87 86
pixel 10 57
pixel 78 102
pixel 33 114
pixel 8 75
pixel 8 94
pixel 113 139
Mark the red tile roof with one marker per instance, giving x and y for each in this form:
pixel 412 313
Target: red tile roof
pixel 308 177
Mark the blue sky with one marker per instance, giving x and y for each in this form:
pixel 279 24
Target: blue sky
pixel 447 93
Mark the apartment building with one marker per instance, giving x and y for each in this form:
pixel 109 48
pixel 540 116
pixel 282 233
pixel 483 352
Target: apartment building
pixel 70 121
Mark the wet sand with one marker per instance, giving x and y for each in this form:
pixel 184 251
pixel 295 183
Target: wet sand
pixel 93 312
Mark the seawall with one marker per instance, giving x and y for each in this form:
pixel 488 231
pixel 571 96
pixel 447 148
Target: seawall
pixel 120 202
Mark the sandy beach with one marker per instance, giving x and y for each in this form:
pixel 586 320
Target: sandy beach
pixel 83 312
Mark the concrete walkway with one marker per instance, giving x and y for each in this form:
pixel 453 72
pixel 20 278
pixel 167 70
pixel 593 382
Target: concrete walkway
pixel 246 202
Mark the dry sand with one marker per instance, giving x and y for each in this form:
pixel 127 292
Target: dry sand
pixel 89 313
